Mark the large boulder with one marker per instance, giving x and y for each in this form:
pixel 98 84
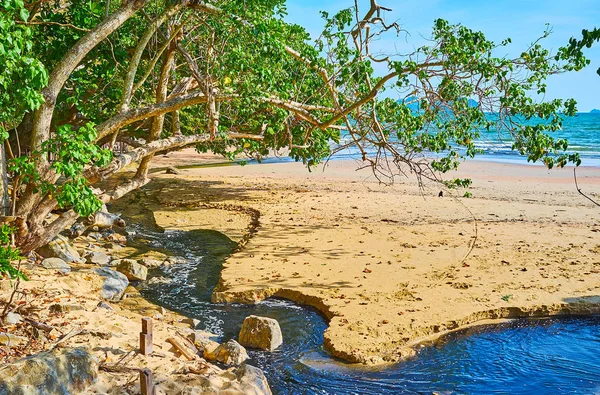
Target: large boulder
pixel 133 270
pixel 114 284
pixel 60 372
pixel 260 332
pixel 230 353
pixel 243 380
pixel 59 247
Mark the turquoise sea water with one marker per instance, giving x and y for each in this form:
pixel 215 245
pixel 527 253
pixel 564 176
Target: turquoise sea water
pixel 581 131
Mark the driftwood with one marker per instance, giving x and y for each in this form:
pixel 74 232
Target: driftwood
pixel 74 332
pixel 120 366
pixel 117 368
pixel 182 349
pixel 188 342
pixel 39 325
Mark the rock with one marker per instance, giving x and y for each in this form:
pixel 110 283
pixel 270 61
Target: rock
pixel 64 371
pixel 150 263
pixel 77 230
pixel 13 319
pixel 8 339
pixel 114 284
pixel 201 339
pixel 172 260
pixel 97 258
pixel 252 380
pixel 59 247
pixel 117 262
pixel 56 264
pixel 106 220
pixel 116 238
pixel 230 353
pixel 158 280
pixel 112 246
pixel 133 270
pixel 190 321
pixel 94 236
pixel 99 220
pixel 209 349
pixel 172 170
pixel 105 306
pixel 65 308
pixel 260 332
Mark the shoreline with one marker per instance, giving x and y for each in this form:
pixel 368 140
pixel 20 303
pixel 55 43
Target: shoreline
pixel 291 201
pixel 490 318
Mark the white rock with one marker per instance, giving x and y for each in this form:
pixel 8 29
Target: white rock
pixel 13 319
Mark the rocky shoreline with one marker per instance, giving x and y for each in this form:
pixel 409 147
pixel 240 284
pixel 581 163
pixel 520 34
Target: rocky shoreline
pixel 85 299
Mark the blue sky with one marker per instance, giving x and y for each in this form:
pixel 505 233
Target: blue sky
pixel 523 21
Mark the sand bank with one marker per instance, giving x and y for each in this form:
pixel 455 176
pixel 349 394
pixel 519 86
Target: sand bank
pixel 394 266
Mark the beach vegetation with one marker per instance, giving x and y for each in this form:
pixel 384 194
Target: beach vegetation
pixel 91 89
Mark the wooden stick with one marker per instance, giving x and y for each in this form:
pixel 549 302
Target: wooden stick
pixel 146 337
pixel 116 368
pixel 146 384
pixel 183 350
pixel 147 325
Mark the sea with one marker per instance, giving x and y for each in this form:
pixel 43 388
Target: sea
pixel 582 131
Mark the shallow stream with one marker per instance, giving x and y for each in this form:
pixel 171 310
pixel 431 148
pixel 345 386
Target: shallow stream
pixel 523 357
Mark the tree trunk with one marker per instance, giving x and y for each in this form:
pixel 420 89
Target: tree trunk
pixel 4 197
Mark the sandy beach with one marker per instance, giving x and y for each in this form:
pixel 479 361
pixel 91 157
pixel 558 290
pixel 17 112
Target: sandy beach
pixel 393 267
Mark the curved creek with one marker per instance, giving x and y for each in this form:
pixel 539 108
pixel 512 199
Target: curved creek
pixel 537 357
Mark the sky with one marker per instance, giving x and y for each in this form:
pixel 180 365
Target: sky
pixel 521 20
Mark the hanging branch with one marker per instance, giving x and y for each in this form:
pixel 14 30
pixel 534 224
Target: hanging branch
pixel 580 191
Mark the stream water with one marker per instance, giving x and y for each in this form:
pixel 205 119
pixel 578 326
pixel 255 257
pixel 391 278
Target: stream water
pixel 537 357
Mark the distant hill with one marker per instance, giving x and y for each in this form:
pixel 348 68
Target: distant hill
pixel 595 111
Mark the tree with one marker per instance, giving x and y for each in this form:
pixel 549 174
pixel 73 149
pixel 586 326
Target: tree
pixel 574 50
pixel 234 78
